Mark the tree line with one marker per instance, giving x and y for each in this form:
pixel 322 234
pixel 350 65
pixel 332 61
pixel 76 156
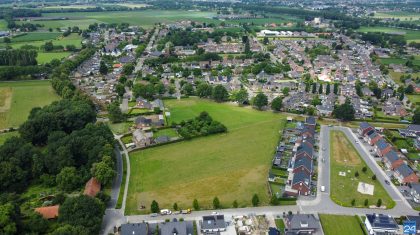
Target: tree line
pixel 18 57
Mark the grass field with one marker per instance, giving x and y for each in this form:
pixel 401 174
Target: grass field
pixel 45 57
pixel 3 25
pixel 120 128
pixel 415 99
pixel 401 15
pixel 146 18
pixel 18 98
pixel 170 132
pixel 7 135
pixel 410 35
pixel 183 171
pixel 340 224
pixel 345 158
pixel 36 36
pixel 72 39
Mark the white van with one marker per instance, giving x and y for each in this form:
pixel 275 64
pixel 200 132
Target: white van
pixel 322 188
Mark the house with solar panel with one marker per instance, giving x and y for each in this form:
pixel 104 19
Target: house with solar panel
pixel 377 224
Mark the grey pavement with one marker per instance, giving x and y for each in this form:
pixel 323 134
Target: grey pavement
pixel 116 184
pixel 124 105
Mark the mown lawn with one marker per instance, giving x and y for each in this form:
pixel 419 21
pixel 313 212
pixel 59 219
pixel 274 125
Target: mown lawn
pixel 46 57
pixel 345 158
pixel 410 35
pixel 21 98
pixel 340 224
pixel 170 132
pixel 231 166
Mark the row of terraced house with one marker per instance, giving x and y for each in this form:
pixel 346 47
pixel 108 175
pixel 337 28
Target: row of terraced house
pixel 301 166
pixel 391 158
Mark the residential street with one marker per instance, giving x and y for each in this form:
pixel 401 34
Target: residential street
pixel 321 204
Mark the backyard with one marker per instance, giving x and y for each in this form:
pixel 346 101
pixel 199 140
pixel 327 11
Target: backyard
pixel 340 224
pixel 196 169
pixel 345 159
pixel 18 98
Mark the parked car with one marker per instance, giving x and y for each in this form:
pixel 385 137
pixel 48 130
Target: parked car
pixel 387 182
pixel 154 215
pixel 322 188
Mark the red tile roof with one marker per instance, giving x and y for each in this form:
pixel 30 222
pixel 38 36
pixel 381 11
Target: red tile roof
pixel 92 187
pixel 48 212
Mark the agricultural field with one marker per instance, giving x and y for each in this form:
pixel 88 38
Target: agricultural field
pixel 345 158
pixel 183 171
pixel 400 15
pixel 36 36
pixel 18 98
pixel 146 18
pixel 410 35
pixel 3 25
pixel 45 57
pixel 340 224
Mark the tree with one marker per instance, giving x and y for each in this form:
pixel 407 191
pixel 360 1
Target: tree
pixel 328 89
pixel 196 206
pixel 277 104
pixel 103 69
pixel 335 90
pixel 416 116
pixel 82 211
pixel 204 90
pixel 48 46
pixel 320 90
pixel 366 202
pixel 313 88
pixel 187 89
pixel 345 111
pixel 220 94
pixel 285 91
pixel 373 177
pixel 235 204
pixel 35 223
pixel 356 174
pixel 115 114
pixel 7 40
pixel 255 200
pixel 145 91
pixel 68 229
pixel 104 170
pixel 265 40
pixel 353 202
pixel 120 89
pixel 364 169
pixel 216 203
pixel 379 203
pixel 175 206
pixel 9 215
pixel 409 89
pixel 128 69
pixel 260 100
pixel 68 179
pixel 241 96
pixel 154 207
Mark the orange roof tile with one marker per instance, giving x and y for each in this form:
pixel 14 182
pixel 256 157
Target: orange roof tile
pixel 92 187
pixel 48 212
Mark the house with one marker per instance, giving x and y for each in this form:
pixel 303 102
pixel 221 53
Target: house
pixel 392 161
pixel 142 138
pixel 143 103
pixel 213 224
pixel 387 93
pixel 417 143
pixel 303 164
pixel 380 224
pixel 176 228
pixel 301 183
pixel 417 220
pixel 48 212
pixel 277 159
pixel 301 224
pixel 158 103
pixel 411 131
pixel 304 150
pixel 136 228
pixel 382 147
pixel 404 174
pixel 372 137
pixel 364 128
pixel 415 192
pixel 92 187
pixel 310 121
pixel 143 123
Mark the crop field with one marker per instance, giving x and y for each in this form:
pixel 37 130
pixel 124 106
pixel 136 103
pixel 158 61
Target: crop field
pixel 45 57
pixel 410 35
pixel 340 224
pixel 72 39
pixel 196 169
pixel 146 18
pixel 401 15
pixel 18 98
pixel 345 158
pixel 36 36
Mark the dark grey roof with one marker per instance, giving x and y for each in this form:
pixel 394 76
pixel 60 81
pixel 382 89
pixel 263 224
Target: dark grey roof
pixel 213 222
pixel 162 139
pixel 301 176
pixel 305 148
pixel 364 125
pixel 382 144
pixel 310 120
pixel 303 161
pixel 392 156
pixel 416 187
pixel 134 229
pixel 144 120
pixel 413 127
pixel 174 228
pixel 382 221
pixel 404 170
pixel 302 221
pixel 372 134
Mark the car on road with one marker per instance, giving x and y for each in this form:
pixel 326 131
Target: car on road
pixel 154 215
pixel 387 182
pixel 356 141
pixel 322 188
pixel 330 125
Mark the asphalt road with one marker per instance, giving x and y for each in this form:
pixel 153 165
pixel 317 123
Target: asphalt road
pixel 321 204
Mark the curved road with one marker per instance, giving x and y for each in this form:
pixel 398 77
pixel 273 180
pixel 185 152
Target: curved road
pixel 321 204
